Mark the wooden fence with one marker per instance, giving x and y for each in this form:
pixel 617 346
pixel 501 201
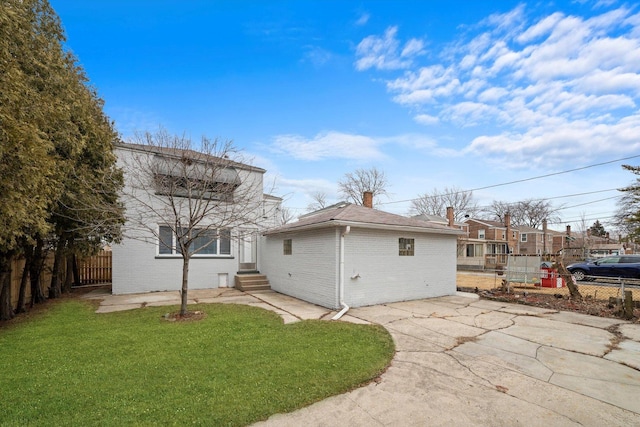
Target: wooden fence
pixel 95 269
pixel 92 270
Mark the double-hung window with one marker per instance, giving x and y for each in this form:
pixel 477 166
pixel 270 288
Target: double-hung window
pixel 204 242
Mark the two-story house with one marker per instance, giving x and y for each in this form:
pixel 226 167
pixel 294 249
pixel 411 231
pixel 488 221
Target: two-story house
pixel 487 244
pixel 166 187
pixel 534 241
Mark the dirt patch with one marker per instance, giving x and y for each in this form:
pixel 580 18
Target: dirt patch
pixel 189 316
pixel 556 301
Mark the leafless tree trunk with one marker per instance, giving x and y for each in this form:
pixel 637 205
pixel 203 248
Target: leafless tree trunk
pixel 185 286
pixel 569 280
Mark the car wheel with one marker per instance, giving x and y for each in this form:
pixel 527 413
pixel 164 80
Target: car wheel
pixel 579 275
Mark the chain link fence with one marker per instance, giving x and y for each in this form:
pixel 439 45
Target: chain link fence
pixel 595 288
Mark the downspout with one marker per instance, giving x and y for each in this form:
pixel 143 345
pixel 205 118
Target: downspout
pixel 345 307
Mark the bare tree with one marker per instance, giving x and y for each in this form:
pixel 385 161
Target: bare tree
pixel 285 215
pixel 530 212
pixel 355 184
pixel 436 203
pixel 319 201
pixel 186 198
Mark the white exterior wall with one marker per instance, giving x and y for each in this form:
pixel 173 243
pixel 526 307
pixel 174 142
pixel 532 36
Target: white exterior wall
pixel 384 276
pixel 310 273
pixel 387 277
pixel 137 267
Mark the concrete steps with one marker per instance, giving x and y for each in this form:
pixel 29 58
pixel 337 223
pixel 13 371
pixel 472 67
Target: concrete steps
pixel 252 282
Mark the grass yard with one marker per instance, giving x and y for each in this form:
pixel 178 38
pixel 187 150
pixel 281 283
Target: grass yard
pixel 70 366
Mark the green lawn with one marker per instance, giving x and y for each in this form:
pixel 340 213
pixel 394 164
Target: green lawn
pixel 70 366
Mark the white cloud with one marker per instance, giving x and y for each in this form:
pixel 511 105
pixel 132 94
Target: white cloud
pixel 363 19
pixel 562 84
pixel 384 53
pixel 317 56
pixel 329 145
pixel 426 119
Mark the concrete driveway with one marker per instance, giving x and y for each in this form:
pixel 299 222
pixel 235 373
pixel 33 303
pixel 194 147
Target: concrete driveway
pixel 465 361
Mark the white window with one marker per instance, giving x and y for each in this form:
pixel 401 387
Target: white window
pixel 481 234
pixel 504 235
pixel 205 242
pixel 523 237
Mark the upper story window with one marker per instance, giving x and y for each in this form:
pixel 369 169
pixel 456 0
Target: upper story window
pixel 481 234
pixel 206 178
pixel 406 247
pixel 523 237
pixel 504 235
pixel 205 242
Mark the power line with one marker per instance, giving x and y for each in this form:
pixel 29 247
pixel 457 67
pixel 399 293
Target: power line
pixel 521 180
pixel 588 203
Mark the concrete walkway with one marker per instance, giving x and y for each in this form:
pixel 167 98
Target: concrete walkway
pixel 464 361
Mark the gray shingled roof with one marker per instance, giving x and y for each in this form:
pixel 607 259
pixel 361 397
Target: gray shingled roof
pixel 359 216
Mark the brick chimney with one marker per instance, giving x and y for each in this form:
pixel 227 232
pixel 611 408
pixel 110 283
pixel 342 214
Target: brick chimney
pixel 450 216
pixel 367 199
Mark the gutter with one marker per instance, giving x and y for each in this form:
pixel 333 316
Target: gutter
pixel 344 306
pixel 292 228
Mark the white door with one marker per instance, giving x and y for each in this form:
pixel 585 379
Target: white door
pixel 248 250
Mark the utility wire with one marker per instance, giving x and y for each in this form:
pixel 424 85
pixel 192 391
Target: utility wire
pixel 521 180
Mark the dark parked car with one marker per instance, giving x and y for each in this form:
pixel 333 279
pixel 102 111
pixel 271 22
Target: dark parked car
pixel 614 266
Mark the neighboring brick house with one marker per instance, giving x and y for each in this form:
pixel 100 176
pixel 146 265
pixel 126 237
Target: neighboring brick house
pixel 487 244
pixel 350 256
pixel 534 241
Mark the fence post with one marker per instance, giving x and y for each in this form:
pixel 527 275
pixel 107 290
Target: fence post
pixel 627 309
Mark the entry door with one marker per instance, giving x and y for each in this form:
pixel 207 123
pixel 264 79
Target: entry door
pixel 248 250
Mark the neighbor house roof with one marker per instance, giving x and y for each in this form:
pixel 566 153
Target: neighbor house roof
pixel 525 229
pixel 343 214
pixel 487 222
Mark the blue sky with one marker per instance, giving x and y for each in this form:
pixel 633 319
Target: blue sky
pixel 463 94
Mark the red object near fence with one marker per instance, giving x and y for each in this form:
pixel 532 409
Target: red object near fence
pixel 549 278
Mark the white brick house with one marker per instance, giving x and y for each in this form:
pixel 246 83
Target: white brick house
pixel 143 262
pixel 357 256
